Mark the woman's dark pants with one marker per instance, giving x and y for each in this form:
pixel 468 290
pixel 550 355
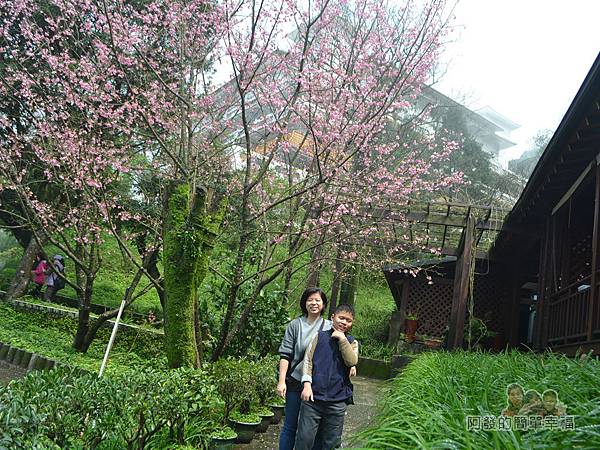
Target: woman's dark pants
pixel 287 438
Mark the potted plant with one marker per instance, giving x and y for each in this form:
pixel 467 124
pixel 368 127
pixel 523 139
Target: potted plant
pixel 245 425
pixel 222 438
pixel 277 405
pixel 266 416
pixel 244 421
pixel 411 325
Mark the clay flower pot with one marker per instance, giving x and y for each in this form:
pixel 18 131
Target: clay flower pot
pixel 411 329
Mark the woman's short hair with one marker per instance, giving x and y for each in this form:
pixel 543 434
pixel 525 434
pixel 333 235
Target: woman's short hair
pixel 307 293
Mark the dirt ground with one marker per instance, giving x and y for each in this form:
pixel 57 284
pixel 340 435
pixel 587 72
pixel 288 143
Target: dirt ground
pixel 9 372
pixel 358 417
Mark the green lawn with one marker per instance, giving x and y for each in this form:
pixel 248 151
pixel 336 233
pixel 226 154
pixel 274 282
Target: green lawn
pixel 52 338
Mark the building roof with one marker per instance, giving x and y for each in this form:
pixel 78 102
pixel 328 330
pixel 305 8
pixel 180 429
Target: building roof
pixel 574 144
pixel 495 117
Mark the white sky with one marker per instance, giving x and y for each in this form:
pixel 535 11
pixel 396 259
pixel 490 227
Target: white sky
pixel 524 58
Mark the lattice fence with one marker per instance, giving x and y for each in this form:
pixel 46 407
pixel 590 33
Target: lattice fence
pixel 433 303
pixel 491 301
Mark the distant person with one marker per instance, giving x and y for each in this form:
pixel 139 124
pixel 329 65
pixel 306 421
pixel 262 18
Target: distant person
pixel 327 389
pixel 39 275
pixel 514 392
pixel 54 282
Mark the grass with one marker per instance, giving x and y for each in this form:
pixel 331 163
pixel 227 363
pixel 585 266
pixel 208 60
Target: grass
pixel 428 403
pixel 113 278
pixel 52 338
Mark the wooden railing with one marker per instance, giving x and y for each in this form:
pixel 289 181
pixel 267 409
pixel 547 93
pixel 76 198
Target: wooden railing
pixel 568 313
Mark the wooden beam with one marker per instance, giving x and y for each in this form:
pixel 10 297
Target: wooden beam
pixel 460 292
pixel 574 186
pixel 538 325
pixel 451 221
pixel 455 251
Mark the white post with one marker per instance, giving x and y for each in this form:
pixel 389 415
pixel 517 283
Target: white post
pixel 114 333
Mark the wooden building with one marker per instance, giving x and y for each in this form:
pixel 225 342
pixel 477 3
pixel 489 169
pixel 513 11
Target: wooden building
pixel 551 235
pixel 544 260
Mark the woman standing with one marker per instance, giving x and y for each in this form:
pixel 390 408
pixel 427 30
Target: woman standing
pixel 298 335
pixel 39 275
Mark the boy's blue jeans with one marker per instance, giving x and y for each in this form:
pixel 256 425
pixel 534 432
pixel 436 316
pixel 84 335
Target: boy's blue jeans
pixel 287 438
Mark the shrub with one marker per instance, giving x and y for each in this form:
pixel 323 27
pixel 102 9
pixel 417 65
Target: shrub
pixel 232 378
pixel 266 379
pixel 264 328
pixel 137 409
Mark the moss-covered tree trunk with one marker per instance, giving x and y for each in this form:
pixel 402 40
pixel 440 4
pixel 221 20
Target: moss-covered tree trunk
pixel 191 225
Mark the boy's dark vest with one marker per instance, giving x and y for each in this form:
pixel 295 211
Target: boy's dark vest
pixel 330 375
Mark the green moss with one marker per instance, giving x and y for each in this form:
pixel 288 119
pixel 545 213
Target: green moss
pixel 188 241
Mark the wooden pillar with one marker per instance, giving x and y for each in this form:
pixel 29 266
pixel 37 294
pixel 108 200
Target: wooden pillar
pixel 551 280
pixel 460 293
pixel 514 306
pixel 593 295
pixel 404 301
pixel 398 318
pixel 544 266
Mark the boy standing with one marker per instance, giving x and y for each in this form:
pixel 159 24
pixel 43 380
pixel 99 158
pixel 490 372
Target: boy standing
pixel 327 389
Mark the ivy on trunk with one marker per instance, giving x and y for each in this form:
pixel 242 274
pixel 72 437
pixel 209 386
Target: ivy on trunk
pixel 193 218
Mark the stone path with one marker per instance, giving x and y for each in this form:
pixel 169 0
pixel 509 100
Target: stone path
pixel 359 416
pixel 9 372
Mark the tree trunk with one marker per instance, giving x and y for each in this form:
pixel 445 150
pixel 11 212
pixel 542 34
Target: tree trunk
pixel 349 285
pixel 198 331
pixel 18 285
pixel 83 321
pixel 314 275
pixel 287 281
pixel 106 316
pixel 191 226
pixel 85 281
pixel 335 286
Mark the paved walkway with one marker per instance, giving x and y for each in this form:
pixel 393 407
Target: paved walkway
pixel 359 416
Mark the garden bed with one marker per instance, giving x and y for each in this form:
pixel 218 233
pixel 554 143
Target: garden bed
pixel 51 337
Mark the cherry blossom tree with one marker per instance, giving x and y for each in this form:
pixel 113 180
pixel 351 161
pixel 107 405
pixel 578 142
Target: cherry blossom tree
pixel 107 91
pixel 118 110
pixel 313 121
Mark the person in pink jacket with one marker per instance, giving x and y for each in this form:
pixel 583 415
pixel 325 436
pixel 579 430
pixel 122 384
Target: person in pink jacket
pixel 39 275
